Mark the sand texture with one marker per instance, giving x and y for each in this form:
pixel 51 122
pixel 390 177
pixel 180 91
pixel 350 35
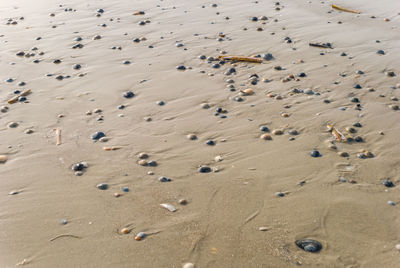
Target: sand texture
pixel 249 192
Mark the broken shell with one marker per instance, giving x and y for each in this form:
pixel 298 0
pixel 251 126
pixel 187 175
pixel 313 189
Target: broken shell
pixel 168 207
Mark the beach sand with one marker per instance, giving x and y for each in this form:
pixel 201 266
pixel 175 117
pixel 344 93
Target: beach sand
pixel 53 218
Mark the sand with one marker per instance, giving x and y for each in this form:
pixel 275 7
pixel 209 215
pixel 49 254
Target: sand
pixel 57 219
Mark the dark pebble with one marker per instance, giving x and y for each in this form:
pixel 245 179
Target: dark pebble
pixel 357 124
pixel 309 245
pixel 355 100
pixel 22 98
pixel 204 169
pixel 121 107
pixel 357 86
pixel 76 66
pixel 100 10
pixel 102 186
pixel 268 56
pixel 358 139
pixel 98 135
pixel 388 183
pixel 21 84
pixel 125 189
pixel 164 179
pixel 17 91
pixel 380 52
pixel 302 75
pixel 181 67
pixel 264 129
pixel 210 142
pixel 315 153
pixel 152 163
pixel 216 66
pixel 129 94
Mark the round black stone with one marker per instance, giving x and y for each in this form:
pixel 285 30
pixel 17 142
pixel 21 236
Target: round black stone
pixel 388 183
pixel 204 169
pixel 315 153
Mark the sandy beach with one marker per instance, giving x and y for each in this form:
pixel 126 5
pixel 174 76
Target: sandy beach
pixel 128 140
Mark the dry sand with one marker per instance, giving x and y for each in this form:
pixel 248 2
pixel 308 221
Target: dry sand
pixel 219 225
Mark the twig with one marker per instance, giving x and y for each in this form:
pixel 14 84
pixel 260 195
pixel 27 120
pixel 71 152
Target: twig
pixel 65 235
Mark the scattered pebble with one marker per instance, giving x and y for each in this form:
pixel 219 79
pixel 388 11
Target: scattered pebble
pixel 98 135
pixel 102 186
pixel 309 245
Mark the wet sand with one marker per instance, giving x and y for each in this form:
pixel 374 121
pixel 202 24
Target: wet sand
pixel 260 195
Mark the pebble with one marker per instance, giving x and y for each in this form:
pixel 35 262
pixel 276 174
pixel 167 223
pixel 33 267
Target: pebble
pixel 380 52
pixel 143 156
pixel 279 194
pixel 188 265
pixel 164 179
pixel 129 94
pixel 152 163
pixel 125 231
pixel 264 129
pixel 192 137
pixel 3 159
pixel 181 67
pixel 12 125
pixel 263 229
pixel 64 221
pixel 394 107
pixel 98 135
pixel 293 132
pixel 391 203
pixel 143 162
pixel 204 169
pixel 315 153
pixel 205 105
pixel 140 236
pixel 397 246
pixel 388 183
pixel 309 245
pixel 357 124
pixel 266 137
pixel 182 201
pixel 343 154
pixel 13 192
pixel 277 132
pixel 210 142
pixel 102 186
pixel 80 166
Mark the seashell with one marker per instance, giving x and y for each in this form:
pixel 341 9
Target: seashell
pixel 248 92
pixel 169 207
pixel 191 265
pixel 309 245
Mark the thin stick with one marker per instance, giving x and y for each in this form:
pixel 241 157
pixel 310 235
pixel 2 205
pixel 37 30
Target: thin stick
pixel 58 134
pixel 65 235
pixel 345 9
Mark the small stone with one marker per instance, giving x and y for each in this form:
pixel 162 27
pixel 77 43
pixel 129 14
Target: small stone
pixel 98 135
pixel 210 142
pixel 394 107
pixel 388 183
pixel 263 229
pixel 117 194
pixel 188 265
pixel 343 154
pixel 293 132
pixel 182 201
pixel 192 137
pixel 102 186
pixel 266 137
pixel 397 246
pixel 380 52
pixel 181 67
pixel 150 173
pixel 143 162
pixel 143 156
pixel 64 221
pixel 277 132
pixel 391 203
pixel 358 139
pixel 315 153
pixel 218 158
pixel 357 124
pixel 152 163
pixel 125 231
pixel 204 169
pixel 351 130
pixel 160 103
pixel 13 192
pixel 12 125
pixel 3 159
pixel 205 105
pixel 164 179
pixel 279 194
pixel 97 37
pixel 129 94
pixel 103 139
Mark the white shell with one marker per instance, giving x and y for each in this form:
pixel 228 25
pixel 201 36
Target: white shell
pixel 169 207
